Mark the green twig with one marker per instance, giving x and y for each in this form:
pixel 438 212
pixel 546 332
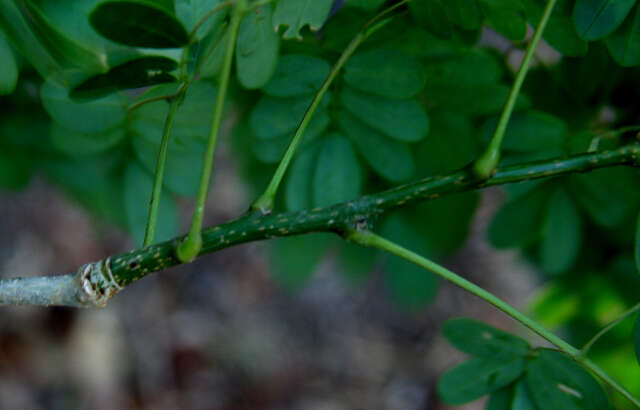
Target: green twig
pixel 367 238
pixel 585 349
pixel 191 246
pixel 488 161
pixel 130 266
pixel 265 202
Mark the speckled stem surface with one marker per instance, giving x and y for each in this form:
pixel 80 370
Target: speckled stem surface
pixel 115 272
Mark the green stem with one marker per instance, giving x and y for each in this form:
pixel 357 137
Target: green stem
pixel 191 246
pixel 152 219
pixel 367 238
pixel 585 349
pixel 488 161
pixel 265 202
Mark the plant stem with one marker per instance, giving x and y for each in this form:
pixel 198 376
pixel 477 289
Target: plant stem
pixel 130 266
pixel 265 202
pixel 585 349
pixel 191 246
pixel 154 203
pixel 368 238
pixel 488 161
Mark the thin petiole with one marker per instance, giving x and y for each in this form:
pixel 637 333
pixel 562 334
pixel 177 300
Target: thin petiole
pixel 190 247
pixel 585 349
pixel 264 203
pixel 154 204
pixel 488 161
pixel 367 238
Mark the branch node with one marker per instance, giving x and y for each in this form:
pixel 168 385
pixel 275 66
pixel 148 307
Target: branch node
pixel 96 283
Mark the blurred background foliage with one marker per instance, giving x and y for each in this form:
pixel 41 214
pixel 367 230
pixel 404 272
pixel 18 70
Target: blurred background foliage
pixel 419 98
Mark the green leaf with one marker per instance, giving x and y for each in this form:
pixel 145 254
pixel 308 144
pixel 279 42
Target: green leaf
pixel 501 399
pixel 522 399
pixel 79 144
pixel 63 49
pixel 404 120
pixel 431 14
pixel 637 246
pixel 473 100
pixel 465 13
pixel 137 195
pixel 295 14
pixel 557 382
pixel 271 150
pixel 338 176
pixel 257 48
pixel 22 37
pixel 294 260
pixel 298 190
pixel 506 17
pixel 530 131
pixel 410 286
pixel 389 159
pixel 477 377
pixel 139 72
pixel 636 338
pixel 190 12
pixel 367 5
pixel 450 145
pixel 89 117
pixel 518 222
pixel 479 339
pixel 297 75
pixel 606 195
pixel 444 222
pixel 139 23
pixel 188 137
pixel 469 68
pixel 561 240
pixel 9 67
pixel 596 19
pixel 560 31
pixel 384 72
pixel 624 43
pixel 273 117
